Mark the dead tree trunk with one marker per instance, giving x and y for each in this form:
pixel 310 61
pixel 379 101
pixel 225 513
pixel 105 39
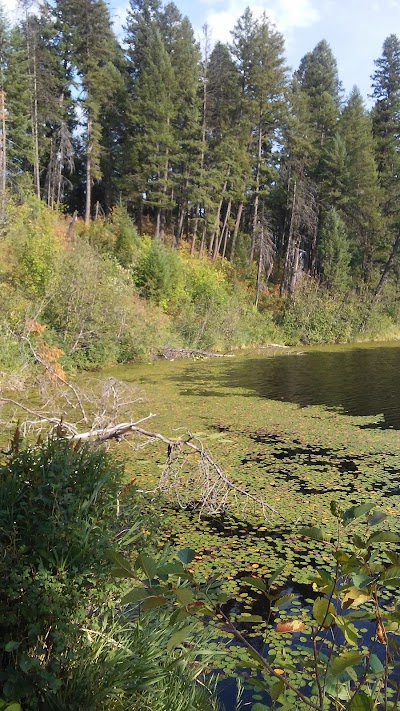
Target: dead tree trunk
pixel 89 151
pixel 289 248
pixel 223 231
pixel 236 230
pixel 257 193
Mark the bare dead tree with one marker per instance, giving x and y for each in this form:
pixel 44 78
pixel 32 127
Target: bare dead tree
pixel 302 230
pixel 61 162
pixel 265 246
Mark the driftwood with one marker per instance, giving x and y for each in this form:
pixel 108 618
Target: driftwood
pixel 171 353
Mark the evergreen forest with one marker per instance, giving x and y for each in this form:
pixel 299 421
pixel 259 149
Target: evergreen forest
pixel 275 178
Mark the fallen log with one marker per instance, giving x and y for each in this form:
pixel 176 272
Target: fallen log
pixel 171 353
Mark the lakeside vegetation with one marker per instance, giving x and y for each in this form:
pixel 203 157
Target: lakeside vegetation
pixel 156 192
pixel 107 295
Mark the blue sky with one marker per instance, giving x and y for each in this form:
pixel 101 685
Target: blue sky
pixel 355 29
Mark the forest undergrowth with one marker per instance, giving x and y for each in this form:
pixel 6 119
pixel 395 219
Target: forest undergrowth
pixel 104 295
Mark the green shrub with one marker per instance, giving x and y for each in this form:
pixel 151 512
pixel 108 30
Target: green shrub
pixel 56 510
pixel 315 315
pixel 64 644
pixel 97 314
pixel 158 273
pixel 127 241
pixel 32 236
pixel 216 312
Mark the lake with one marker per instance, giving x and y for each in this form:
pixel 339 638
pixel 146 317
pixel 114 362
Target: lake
pixel 299 428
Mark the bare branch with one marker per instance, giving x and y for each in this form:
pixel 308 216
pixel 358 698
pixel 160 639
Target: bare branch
pixel 56 375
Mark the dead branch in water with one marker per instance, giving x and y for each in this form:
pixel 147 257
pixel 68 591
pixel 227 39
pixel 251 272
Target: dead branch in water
pixel 190 477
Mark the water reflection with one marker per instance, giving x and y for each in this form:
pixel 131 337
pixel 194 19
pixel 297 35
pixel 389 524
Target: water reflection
pixel 361 381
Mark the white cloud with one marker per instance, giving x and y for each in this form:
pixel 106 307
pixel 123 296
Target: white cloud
pixel 288 15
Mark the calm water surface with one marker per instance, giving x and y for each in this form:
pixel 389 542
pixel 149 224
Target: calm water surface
pixel 363 380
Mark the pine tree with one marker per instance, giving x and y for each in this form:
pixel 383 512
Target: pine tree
pixel 184 55
pixel 258 50
pixel 153 141
pixel 363 195
pixel 335 252
pixel 334 173
pixel 4 49
pixel 294 199
pixel 386 121
pixel 228 159
pixel 53 104
pixel 318 79
pixel 94 49
pixel 17 81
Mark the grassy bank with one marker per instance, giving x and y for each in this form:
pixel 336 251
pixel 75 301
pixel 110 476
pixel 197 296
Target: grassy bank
pixel 106 295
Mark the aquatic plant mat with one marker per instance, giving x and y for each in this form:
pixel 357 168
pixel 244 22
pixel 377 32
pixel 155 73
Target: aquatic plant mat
pixel 298 459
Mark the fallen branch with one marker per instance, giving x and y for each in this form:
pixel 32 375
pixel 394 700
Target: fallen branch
pixel 211 479
pixel 207 488
pixel 58 377
pixel 204 487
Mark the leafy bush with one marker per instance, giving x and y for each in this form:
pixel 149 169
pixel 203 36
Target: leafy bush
pixel 64 643
pixel 158 273
pixel 32 236
pixel 56 510
pixel 217 313
pixel 315 315
pixel 97 314
pixel 127 239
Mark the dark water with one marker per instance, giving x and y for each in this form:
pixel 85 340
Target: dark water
pixel 362 380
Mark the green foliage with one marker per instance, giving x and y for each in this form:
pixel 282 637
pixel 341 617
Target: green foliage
pixel 339 665
pixel 12 355
pixel 32 237
pixel 52 568
pixel 158 273
pixel 316 315
pixel 335 252
pixel 215 312
pixel 97 315
pixel 127 239
pixel 64 642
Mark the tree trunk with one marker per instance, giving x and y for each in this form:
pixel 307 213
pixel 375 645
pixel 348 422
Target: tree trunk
pixel 203 239
pixel 35 129
pixel 236 230
pixel 158 224
pixel 203 132
pixel 260 266
pixel 194 234
pixel 289 248
pixel 215 233
pixel 224 230
pixel 88 169
pixel 386 270
pixel 295 271
pixel 3 154
pixel 257 193
pixel 164 192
